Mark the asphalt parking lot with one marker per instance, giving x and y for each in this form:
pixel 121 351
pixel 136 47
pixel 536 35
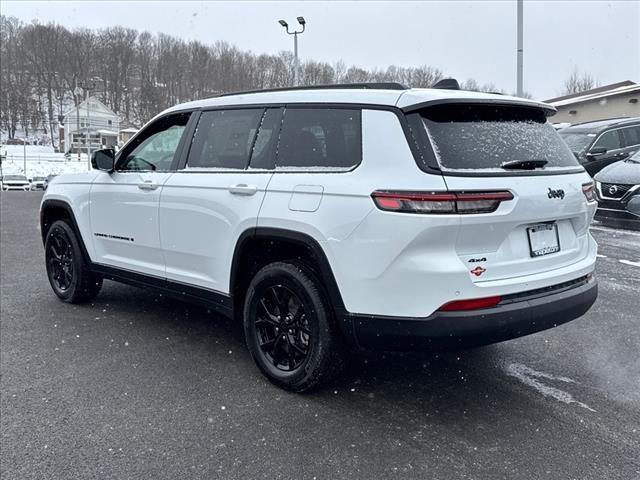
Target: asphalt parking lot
pixel 138 386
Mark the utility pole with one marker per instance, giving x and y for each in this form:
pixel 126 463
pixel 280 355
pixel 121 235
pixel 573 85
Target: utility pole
pixel 77 92
pixel 87 89
pixel 88 131
pixel 296 63
pixel 520 51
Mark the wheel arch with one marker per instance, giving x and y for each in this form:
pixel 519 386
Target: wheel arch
pixel 300 245
pixel 52 210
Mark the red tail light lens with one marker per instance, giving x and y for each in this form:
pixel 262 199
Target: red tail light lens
pixel 589 190
pixel 472 304
pixel 440 202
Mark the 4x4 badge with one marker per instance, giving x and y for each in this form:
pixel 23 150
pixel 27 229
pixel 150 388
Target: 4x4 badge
pixel 478 271
pixel 559 193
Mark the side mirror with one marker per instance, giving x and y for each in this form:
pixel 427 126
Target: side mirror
pixel 595 151
pixel 103 159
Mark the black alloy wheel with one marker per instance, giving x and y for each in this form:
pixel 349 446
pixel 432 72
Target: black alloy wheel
pixel 290 328
pixel 282 328
pixel 67 270
pixel 60 260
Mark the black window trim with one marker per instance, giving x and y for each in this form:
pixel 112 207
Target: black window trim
pixel 320 106
pixel 131 144
pixel 180 166
pixel 400 113
pixel 621 138
pixel 624 135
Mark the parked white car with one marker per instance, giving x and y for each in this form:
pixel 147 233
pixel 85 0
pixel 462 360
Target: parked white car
pixel 15 182
pixel 366 216
pixel 39 183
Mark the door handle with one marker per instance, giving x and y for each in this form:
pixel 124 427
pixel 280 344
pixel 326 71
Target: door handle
pixel 148 185
pixel 243 189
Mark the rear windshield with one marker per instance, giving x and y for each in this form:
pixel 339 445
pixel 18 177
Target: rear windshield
pixel 484 137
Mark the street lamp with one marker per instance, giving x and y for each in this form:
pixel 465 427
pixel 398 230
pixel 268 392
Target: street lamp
pixel 296 64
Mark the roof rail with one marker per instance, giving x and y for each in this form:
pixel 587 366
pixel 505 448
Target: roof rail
pixel 612 121
pixel 371 86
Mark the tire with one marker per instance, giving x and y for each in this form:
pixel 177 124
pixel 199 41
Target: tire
pixel 290 328
pixel 67 270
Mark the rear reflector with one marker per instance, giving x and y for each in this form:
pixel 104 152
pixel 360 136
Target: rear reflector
pixel 472 304
pixel 440 202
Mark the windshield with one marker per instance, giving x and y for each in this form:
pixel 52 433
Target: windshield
pixel 577 141
pixel 477 137
pixel 15 178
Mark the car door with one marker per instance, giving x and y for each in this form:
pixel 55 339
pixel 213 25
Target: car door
pixel 214 197
pixel 631 140
pixel 124 203
pixel 612 141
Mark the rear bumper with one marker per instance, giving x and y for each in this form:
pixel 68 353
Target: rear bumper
pixel 618 218
pixel 524 315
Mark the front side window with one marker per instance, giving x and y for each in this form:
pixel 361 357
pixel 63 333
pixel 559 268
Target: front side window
pixel 609 140
pixel 224 139
pixel 577 141
pixel 320 138
pixel 481 137
pixel 154 150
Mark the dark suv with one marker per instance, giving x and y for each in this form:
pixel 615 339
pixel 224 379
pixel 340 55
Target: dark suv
pixel 598 144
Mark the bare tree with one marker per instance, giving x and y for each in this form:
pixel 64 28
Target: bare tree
pixel 579 82
pixel 139 74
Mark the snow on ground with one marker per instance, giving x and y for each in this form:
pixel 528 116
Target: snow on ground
pixel 41 161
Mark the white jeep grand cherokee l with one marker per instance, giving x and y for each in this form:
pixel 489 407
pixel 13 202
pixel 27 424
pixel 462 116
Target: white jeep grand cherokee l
pixel 367 216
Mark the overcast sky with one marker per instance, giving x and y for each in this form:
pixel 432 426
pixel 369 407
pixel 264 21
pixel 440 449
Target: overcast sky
pixel 464 39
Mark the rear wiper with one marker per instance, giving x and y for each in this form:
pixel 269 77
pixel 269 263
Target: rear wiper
pixel 523 164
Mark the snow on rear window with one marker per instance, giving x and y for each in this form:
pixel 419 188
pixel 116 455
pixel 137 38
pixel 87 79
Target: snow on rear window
pixel 473 137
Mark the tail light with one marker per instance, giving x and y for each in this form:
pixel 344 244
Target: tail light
pixel 589 191
pixel 440 202
pixel 472 304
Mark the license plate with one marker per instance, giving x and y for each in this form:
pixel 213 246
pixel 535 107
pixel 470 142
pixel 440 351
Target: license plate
pixel 543 239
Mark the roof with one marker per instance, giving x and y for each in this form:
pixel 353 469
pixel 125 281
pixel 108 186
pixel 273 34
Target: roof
pixel 96 107
pixel 405 99
pixel 129 130
pixel 107 132
pixel 619 88
pixel 598 125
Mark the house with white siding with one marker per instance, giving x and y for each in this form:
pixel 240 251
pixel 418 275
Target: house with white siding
pixel 91 118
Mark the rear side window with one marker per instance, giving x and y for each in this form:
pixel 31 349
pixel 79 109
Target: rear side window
pixel 631 136
pixel 484 137
pixel 320 138
pixel 224 139
pixel 610 140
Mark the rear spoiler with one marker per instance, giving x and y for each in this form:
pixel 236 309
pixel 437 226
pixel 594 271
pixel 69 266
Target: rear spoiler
pixel 549 110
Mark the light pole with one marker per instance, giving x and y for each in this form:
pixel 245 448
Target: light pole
pixel 296 64
pixel 520 51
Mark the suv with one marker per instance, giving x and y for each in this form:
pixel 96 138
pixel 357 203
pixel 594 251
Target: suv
pixel 39 183
pixel 598 144
pixel 16 182
pixel 374 217
pixel 618 193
